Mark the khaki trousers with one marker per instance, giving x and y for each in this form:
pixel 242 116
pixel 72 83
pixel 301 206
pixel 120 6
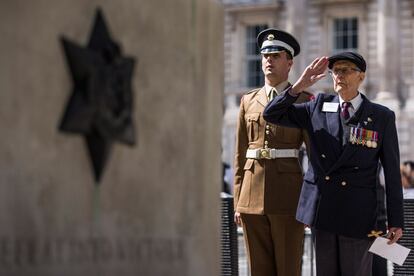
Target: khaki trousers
pixel 274 244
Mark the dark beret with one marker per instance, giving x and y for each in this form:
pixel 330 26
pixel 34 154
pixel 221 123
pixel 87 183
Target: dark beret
pixel 353 57
pixel 273 41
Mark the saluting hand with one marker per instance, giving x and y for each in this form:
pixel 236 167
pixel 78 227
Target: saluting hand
pixel 313 73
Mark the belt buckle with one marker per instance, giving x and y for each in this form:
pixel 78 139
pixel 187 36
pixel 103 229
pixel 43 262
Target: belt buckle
pixel 265 153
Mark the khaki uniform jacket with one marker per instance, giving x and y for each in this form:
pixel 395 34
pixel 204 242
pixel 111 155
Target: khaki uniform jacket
pixel 265 186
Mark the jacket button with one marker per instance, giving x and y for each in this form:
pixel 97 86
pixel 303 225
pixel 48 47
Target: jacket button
pixel 323 155
pixel 266 142
pixel 327 177
pixel 343 183
pixel 267 126
pixel 267 132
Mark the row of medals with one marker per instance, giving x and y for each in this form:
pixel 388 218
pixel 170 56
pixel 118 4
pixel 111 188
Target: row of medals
pixel 364 137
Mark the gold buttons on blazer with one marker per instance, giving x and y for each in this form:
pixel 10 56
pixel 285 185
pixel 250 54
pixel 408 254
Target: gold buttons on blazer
pixel 267 126
pixel 327 177
pixel 343 183
pixel 267 132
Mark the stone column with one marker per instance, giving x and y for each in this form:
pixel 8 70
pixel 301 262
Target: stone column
pixel 388 46
pixel 407 152
pixel 156 211
pixel 389 66
pixel 407 132
pixel 229 129
pixel 295 24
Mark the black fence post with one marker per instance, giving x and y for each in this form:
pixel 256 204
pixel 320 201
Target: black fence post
pixel 407 240
pixel 229 247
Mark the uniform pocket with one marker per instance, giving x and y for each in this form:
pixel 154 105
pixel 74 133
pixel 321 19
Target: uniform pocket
pixel 252 122
pixel 249 164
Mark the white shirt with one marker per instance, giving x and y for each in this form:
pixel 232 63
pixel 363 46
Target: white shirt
pixel 356 103
pixel 279 88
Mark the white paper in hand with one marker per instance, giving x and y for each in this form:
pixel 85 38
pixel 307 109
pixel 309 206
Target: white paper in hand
pixel 393 252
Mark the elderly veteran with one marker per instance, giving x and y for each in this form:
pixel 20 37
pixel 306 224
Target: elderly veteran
pixel 349 136
pixel 268 176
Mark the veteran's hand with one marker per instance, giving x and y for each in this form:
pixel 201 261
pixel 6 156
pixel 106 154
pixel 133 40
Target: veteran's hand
pixel 237 218
pixel 394 234
pixel 313 73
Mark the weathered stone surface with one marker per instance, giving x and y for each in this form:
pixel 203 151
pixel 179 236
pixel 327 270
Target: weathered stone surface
pixel 156 211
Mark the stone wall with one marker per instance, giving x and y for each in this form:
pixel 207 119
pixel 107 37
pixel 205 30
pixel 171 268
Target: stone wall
pixel 156 210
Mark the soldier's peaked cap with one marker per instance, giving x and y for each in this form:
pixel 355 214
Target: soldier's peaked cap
pixel 275 41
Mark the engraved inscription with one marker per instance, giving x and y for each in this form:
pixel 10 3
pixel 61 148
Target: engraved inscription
pixel 18 252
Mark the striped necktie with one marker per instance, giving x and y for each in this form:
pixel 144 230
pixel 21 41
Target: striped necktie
pixel 272 94
pixel 345 110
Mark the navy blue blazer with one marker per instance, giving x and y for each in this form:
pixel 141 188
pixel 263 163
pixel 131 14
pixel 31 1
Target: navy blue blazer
pixel 338 194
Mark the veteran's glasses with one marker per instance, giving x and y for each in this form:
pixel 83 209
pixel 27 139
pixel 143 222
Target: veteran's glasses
pixel 343 71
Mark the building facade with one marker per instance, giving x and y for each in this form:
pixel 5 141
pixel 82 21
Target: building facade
pixel 381 30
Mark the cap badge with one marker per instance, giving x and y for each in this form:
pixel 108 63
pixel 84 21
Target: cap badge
pixel 270 37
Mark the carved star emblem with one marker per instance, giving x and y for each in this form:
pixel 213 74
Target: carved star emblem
pixel 100 107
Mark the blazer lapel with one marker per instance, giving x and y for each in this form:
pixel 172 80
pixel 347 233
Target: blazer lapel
pixel 333 125
pixel 333 120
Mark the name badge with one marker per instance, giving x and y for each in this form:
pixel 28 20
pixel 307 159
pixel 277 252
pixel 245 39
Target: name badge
pixel 330 107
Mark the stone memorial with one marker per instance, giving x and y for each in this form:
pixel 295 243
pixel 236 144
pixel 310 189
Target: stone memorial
pixel 156 207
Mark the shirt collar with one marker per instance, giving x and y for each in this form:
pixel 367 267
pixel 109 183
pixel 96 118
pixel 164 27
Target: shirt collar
pixel 279 88
pixel 356 101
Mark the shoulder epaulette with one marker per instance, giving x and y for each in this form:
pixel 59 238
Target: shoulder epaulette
pixel 253 90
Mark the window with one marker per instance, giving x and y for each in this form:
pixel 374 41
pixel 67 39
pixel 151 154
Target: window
pixel 345 34
pixel 255 76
